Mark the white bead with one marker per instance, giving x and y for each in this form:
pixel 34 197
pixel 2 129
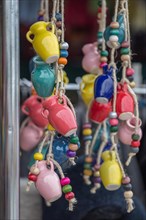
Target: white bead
pixel 100 40
pixel 113 38
pixel 64 46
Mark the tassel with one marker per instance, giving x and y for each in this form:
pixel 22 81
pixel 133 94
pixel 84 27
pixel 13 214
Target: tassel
pixel 72 202
pixel 130 206
pixel 95 187
pixel 72 161
pixel 130 158
pixel 87 180
pixel 48 204
pixel 29 183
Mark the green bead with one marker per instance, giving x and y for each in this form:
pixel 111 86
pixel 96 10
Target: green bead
pixel 104 53
pixel 113 129
pixel 124 51
pixel 135 137
pixel 100 34
pixel 74 140
pixel 67 188
pixel 114 32
pixel 87 166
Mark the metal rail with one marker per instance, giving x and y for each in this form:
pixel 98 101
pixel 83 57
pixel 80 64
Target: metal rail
pixel 9 85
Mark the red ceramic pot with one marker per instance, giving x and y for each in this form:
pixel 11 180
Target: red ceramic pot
pixel 33 108
pixel 99 111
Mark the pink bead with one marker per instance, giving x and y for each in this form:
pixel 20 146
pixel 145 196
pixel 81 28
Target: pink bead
pixel 65 181
pixel 125 44
pixel 129 71
pixel 97 167
pixel 113 121
pixel 87 125
pixel 103 64
pixel 126 180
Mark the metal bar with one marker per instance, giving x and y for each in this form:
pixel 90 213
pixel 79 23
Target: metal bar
pixel 9 160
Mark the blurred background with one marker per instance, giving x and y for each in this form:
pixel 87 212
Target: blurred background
pixel 80 28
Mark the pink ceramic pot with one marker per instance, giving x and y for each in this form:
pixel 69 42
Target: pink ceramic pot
pixel 30 135
pixel 98 112
pixel 124 103
pixel 33 108
pixel 60 115
pixel 91 59
pixel 48 182
pixel 127 128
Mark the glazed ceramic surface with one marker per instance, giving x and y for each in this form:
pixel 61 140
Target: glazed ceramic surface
pixel 110 171
pixel 43 77
pixel 33 108
pixel 104 86
pixel 48 182
pixel 60 116
pixel 44 41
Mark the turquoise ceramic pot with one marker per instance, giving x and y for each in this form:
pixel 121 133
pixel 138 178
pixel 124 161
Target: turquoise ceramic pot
pixel 43 77
pixel 121 35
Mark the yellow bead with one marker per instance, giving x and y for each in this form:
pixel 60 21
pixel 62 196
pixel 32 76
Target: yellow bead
pixel 87 172
pixel 132 84
pixel 38 156
pixel 73 147
pixel 88 159
pixel 87 131
pixel 50 128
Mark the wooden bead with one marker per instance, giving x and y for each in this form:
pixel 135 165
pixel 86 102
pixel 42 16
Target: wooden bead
pixel 34 170
pixel 87 131
pixel 135 137
pixel 125 44
pixel 87 166
pixel 113 129
pixel 59 32
pixel 32 177
pixel 67 188
pixel 97 174
pixel 74 139
pixel 132 84
pixel 113 38
pixel 128 194
pixel 126 180
pixel 103 59
pixel 38 156
pixel 134 150
pixel 114 25
pixel 114 32
pixel 113 122
pixel 88 159
pixel 87 138
pixel 87 125
pixel 62 60
pixel 125 57
pixel 50 128
pixel 69 195
pixel 87 172
pixel 124 51
pixel 130 72
pixel 100 34
pixel 113 115
pixel 135 144
pixel 64 46
pixel 104 53
pixel 73 147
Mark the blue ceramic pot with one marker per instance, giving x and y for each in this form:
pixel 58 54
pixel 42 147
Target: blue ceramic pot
pixel 121 29
pixel 43 77
pixel 104 86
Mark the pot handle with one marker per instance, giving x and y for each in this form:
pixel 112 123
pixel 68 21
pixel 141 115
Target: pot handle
pixel 51 165
pixel 45 113
pixel 23 108
pixel 48 24
pixel 29 33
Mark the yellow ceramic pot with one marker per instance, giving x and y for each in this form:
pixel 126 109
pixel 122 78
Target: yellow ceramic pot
pixel 110 171
pixel 44 41
pixel 87 87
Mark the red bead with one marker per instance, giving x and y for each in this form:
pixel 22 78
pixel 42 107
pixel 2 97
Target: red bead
pixel 69 195
pixel 113 121
pixel 125 44
pixel 65 181
pixel 86 125
pixel 96 167
pixel 129 71
pixel 99 10
pixel 32 177
pixel 135 143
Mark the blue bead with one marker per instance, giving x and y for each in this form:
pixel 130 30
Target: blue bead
pixel 63 53
pixel 87 138
pixel 58 17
